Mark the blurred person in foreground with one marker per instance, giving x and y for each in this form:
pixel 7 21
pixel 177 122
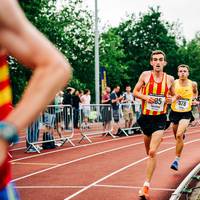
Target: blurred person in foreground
pixel 51 71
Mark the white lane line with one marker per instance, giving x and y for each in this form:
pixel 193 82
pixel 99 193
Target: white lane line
pixel 76 147
pixel 85 145
pixel 133 187
pixel 16 149
pixel 79 159
pixel 77 139
pixel 120 170
pixel 73 140
pixel 79 187
pixel 30 163
pixel 50 187
pixel 76 160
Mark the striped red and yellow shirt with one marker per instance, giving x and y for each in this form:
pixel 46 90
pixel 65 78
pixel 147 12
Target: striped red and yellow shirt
pixel 5 90
pixel 159 92
pixel 5 108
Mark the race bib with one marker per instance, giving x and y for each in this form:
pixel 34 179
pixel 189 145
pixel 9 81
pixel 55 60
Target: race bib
pixel 158 105
pixel 182 104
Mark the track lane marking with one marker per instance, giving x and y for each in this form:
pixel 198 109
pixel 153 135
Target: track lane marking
pixel 120 170
pixel 85 145
pixel 24 163
pixel 77 160
pixel 76 147
pixel 133 187
pixel 79 186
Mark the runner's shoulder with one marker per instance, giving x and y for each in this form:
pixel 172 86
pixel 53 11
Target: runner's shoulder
pixel 170 78
pixel 194 84
pixel 146 73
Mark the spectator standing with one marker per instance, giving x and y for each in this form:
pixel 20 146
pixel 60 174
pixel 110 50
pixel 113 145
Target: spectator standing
pixel 59 112
pixel 106 110
pixel 138 107
pixel 75 105
pixel 67 100
pixel 128 107
pixel 115 100
pixel 85 104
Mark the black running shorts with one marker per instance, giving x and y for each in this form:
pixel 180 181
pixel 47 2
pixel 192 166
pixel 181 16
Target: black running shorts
pixel 150 123
pixel 175 117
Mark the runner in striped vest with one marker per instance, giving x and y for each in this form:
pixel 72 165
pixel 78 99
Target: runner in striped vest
pixel 159 91
pixel 51 72
pixel 6 188
pixel 152 88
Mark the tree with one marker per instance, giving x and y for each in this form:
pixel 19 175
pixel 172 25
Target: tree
pixel 140 37
pixel 189 54
pixel 111 57
pixel 71 30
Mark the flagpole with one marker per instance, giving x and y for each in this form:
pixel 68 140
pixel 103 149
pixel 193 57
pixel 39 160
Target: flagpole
pixel 97 87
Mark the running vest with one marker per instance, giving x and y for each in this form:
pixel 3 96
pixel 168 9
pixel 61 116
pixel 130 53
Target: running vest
pixel 159 92
pixel 186 92
pixel 5 108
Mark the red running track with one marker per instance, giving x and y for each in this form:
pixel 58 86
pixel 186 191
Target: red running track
pixel 108 169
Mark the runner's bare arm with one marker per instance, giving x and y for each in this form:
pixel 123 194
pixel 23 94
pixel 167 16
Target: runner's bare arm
pixel 171 93
pixel 29 46
pixel 195 89
pixel 137 90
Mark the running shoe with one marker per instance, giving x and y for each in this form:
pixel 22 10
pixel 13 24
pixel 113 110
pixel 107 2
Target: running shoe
pixel 144 193
pixel 174 165
pixel 31 150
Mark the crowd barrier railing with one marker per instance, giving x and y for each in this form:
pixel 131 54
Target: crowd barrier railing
pixel 184 184
pixel 95 119
pixel 53 127
pixel 128 115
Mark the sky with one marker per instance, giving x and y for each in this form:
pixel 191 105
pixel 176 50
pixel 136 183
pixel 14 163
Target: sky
pixel 187 12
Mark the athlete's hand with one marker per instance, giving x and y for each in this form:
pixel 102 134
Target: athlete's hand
pixel 3 150
pixel 169 100
pixel 150 99
pixel 195 102
pixel 178 97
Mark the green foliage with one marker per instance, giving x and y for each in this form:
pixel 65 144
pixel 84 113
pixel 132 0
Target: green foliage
pixel 190 55
pixel 111 56
pixel 124 50
pixel 70 29
pixel 141 37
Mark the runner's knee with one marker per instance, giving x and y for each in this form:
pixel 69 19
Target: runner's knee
pixel 152 153
pixel 179 137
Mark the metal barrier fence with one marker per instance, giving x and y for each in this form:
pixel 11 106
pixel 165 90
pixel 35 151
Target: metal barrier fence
pixel 128 115
pixel 182 188
pixel 54 127
pixel 196 115
pixel 95 119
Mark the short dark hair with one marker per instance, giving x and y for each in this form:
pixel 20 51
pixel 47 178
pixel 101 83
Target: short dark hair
pixel 86 91
pixel 68 90
pixel 156 52
pixel 184 66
